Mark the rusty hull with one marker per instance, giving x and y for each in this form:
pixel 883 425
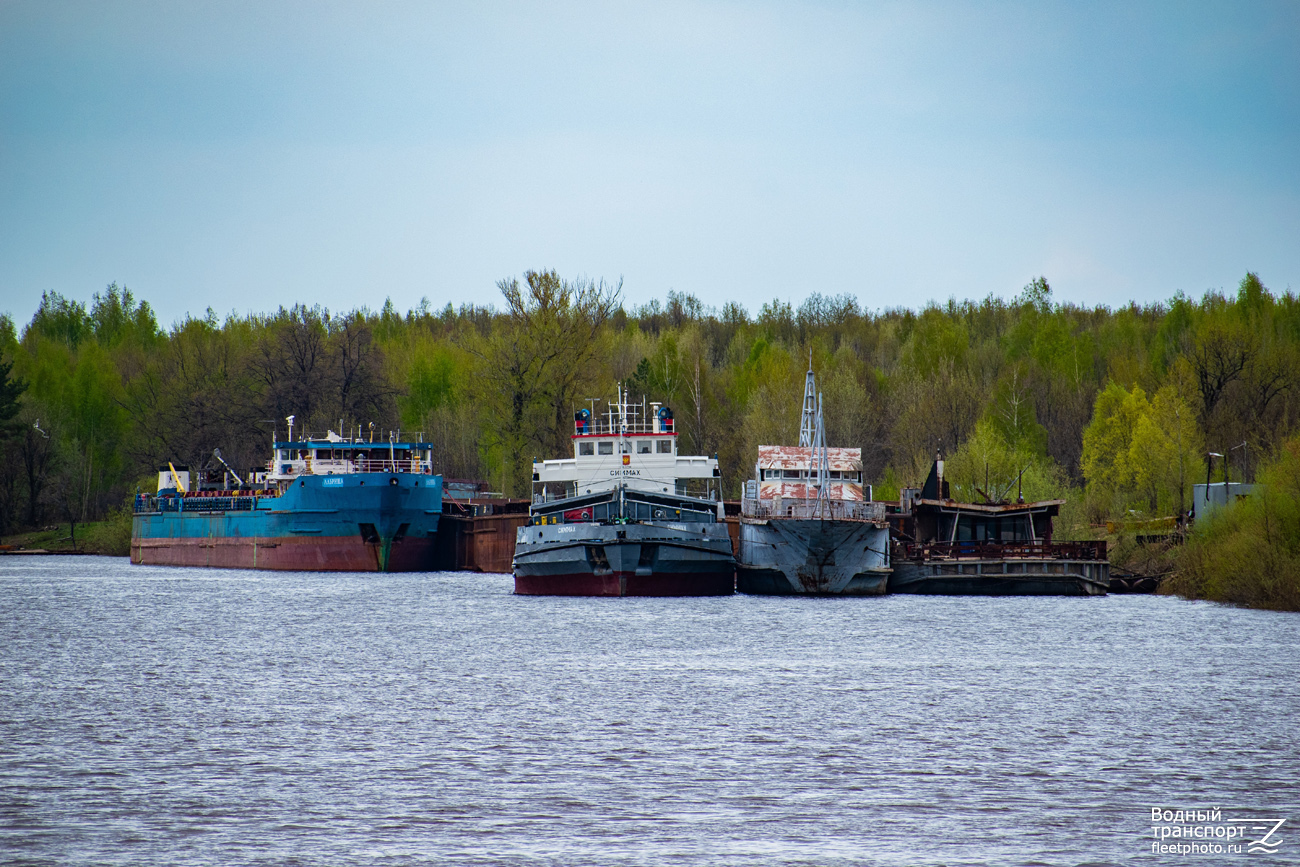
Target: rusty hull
pixel 804 556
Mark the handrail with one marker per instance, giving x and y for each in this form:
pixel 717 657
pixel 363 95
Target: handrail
pixel 1038 550
pixel 229 503
pixel 786 507
pixel 345 467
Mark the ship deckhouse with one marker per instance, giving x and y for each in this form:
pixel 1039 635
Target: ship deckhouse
pixel 790 472
pixel 333 454
pixel 631 445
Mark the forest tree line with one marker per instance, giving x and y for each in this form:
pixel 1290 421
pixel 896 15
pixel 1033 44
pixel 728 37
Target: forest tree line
pixel 1112 409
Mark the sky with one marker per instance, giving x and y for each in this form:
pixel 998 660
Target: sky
pixel 244 156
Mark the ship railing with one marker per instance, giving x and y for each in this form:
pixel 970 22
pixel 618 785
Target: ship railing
pixel 329 467
pixel 344 467
pixel 389 466
pixel 972 550
pixel 634 427
pixel 835 510
pixel 197 502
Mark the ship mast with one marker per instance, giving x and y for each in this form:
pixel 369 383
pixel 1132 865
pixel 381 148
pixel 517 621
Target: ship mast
pixel 808 424
pixel 812 435
pixel 819 455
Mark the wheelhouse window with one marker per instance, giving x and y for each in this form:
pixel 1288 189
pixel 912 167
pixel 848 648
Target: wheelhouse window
pixel 586 448
pixel 643 447
pixel 605 447
pixel 1008 528
pixel 664 447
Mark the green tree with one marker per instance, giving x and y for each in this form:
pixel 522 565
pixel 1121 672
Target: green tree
pixel 11 390
pixel 1012 413
pixel 1250 554
pixel 1108 444
pixel 61 320
pixel 989 468
pixel 1166 453
pixel 536 361
pixel 115 319
pixel 938 344
pixel 1142 453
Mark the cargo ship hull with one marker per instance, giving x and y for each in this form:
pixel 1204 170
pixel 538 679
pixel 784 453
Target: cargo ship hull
pixel 589 559
pixel 363 522
pixel 1002 577
pixel 800 556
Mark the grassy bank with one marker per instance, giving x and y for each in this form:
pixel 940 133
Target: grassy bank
pixel 111 537
pixel 1249 554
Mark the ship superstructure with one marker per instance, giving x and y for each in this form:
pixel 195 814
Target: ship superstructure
pixel 807 523
pixel 322 503
pixel 995 548
pixel 626 515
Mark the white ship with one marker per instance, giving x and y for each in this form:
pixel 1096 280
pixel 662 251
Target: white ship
pixel 626 515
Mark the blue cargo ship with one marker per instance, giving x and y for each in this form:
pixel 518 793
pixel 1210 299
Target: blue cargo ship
pixel 328 503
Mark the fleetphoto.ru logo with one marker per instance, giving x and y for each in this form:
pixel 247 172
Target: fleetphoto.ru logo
pixel 1207 832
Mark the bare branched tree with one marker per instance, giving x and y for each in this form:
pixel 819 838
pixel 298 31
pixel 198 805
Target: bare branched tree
pixel 537 360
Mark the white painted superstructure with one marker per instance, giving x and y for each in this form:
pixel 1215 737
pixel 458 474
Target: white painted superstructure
pixel 633 445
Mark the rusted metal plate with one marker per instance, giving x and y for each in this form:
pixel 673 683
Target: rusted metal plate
pixel 478 543
pixel 974 550
pixel 802 491
pixel 801 458
pixel 837 510
pixel 997 508
pixel 313 554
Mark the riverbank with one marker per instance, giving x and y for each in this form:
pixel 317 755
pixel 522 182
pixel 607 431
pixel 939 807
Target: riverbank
pixel 110 537
pixel 1249 554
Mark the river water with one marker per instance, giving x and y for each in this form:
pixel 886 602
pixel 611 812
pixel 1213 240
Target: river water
pixel 186 716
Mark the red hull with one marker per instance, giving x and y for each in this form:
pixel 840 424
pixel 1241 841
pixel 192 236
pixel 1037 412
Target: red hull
pixel 313 554
pixel 627 584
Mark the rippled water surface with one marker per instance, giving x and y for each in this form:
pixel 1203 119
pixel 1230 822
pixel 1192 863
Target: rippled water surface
pixel 184 716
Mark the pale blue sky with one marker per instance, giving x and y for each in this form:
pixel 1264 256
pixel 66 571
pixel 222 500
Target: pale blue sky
pixel 244 156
